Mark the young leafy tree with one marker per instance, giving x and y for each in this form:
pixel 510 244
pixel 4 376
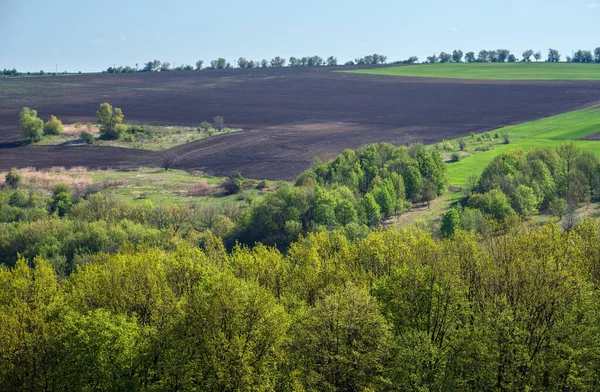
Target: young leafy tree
pixel 30 125
pixel 110 120
pixel 342 343
pixel 450 223
pixel 470 57
pixel 553 56
pixel 527 55
pixel 457 56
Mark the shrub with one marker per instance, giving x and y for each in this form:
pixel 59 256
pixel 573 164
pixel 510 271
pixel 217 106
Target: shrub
pixel 455 157
pixel 133 129
pixel 87 137
pixel 505 138
pixel 234 184
pixel 462 144
pixel 77 125
pixel 13 178
pixel 200 189
pixel 54 126
pixel 89 126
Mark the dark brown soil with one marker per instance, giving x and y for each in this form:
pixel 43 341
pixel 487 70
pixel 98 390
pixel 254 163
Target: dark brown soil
pixel 289 115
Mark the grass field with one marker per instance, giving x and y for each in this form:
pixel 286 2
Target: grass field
pixel 548 132
pixel 155 138
pixel 156 185
pixel 494 71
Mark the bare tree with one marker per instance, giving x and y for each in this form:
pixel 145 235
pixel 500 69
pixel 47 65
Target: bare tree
pixel 168 160
pixel 219 123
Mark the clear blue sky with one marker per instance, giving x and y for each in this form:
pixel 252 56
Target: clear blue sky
pixel 86 35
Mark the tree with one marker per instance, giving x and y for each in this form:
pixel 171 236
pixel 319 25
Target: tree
pixel 470 57
pixel 219 63
pixel 445 57
pixel 537 56
pixel 429 191
pixel 372 211
pixel 432 59
pixel 450 223
pixel 30 125
pixel 558 208
pixel 524 201
pixel 199 65
pixel 165 67
pixel 527 55
pixel 512 58
pixel 582 56
pixel 457 56
pixel 410 60
pixel 597 55
pixel 61 200
pixel 264 63
pixel 110 121
pixel 242 62
pixel 342 343
pixel 483 56
pixel 278 62
pixel 53 126
pixel 503 55
pixel 331 61
pixel 219 123
pixel 553 56
pixel 232 336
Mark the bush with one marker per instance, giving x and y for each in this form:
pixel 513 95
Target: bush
pixel 455 157
pixel 133 129
pixel 462 144
pixel 77 125
pixel 89 126
pixel 54 126
pixel 234 184
pixel 13 178
pixel 505 138
pixel 87 137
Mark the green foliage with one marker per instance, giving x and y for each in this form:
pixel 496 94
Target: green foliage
pixel 13 178
pixel 450 223
pixel 494 203
pixel 395 310
pixel 87 137
pixel 110 121
pixel 30 126
pixel 342 343
pixel 53 126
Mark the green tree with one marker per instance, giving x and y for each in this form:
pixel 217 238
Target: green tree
pixel 371 210
pixel 450 223
pixel 342 344
pixel 110 120
pixel 524 201
pixel 31 127
pixel 232 336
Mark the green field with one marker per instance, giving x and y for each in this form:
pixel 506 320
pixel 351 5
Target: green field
pixel 548 132
pixel 494 71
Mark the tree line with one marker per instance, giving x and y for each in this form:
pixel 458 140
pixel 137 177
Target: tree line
pixel 242 62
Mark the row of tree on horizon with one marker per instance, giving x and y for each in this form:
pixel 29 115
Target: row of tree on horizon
pixel 457 56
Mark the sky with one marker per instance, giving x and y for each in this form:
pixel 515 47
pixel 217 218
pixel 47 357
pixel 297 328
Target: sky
pixel 88 36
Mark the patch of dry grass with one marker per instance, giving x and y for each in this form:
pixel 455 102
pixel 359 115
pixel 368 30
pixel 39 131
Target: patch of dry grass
pixel 76 177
